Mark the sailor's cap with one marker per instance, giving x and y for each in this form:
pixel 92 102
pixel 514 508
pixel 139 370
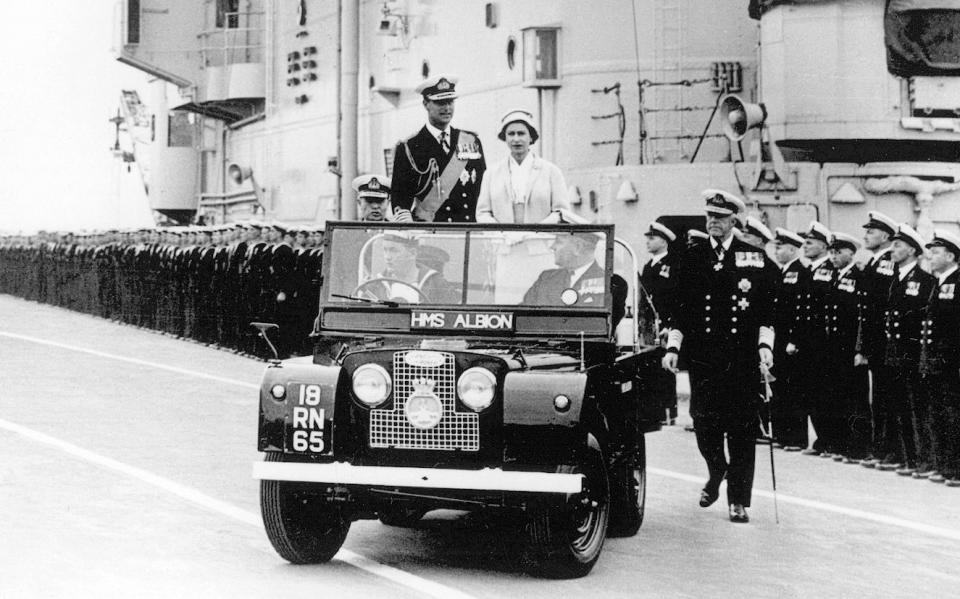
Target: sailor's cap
pixel 658 230
pixel 907 233
pixel 755 227
pixel 788 237
pixel 842 240
pixel 722 203
pixel 372 186
pixel 946 240
pixel 879 220
pixel 817 231
pixel 439 87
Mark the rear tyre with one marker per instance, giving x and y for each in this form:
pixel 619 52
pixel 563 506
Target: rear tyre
pixel 302 525
pixel 565 540
pixel 628 483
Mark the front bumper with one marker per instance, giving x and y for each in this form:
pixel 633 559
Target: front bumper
pixel 487 479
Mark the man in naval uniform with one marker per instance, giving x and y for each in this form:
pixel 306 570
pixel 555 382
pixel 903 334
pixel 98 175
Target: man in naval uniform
pixel 874 288
pixel 788 413
pixel 658 281
pixel 906 303
pixel 847 382
pixel 437 172
pixel 577 269
pixel 809 342
pixel 724 325
pixel 373 191
pixel 940 360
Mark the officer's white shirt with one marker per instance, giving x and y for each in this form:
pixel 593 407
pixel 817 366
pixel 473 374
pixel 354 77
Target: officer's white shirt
pixel 878 254
pixel 904 271
pixel 946 273
pixel 845 270
pixel 725 243
pixel 520 174
pixel 788 264
pixel 656 258
pixel 436 133
pixel 578 272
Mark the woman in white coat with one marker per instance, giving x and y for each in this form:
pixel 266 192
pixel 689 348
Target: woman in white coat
pixel 522 188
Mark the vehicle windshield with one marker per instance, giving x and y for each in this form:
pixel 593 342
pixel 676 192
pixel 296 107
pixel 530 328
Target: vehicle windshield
pixel 479 267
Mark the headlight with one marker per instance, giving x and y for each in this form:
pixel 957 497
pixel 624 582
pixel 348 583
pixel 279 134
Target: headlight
pixel 476 387
pixel 371 384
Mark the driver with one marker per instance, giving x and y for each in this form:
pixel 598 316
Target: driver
pixel 402 276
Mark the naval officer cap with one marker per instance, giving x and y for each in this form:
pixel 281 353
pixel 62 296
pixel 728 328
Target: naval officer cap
pixel 818 232
pixel 841 241
pixel 789 237
pixel 440 87
pixel 879 220
pixel 401 237
pixel 659 230
pixel 375 187
pixel 722 203
pixel 942 239
pixel 907 234
pixel 755 227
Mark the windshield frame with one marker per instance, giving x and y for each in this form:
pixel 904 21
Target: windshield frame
pixel 538 313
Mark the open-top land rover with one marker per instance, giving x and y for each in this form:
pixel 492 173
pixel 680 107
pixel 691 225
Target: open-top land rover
pixel 473 367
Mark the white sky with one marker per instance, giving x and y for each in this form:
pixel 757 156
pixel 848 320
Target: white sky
pixel 59 83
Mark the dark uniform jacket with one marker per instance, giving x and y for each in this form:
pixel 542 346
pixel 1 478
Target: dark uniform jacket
pixel 793 282
pixel 659 281
pixel 906 305
pixel 842 314
pixel 551 283
pixel 811 334
pixel 940 331
pixel 874 289
pixel 414 181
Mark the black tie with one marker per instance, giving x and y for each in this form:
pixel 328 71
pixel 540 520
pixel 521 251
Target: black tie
pixel 444 143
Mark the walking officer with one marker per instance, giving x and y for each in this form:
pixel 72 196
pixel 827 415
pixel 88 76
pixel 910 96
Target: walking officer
pixel 437 172
pixel 724 325
pixel 940 361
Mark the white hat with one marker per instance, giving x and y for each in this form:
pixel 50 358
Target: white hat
pixel 722 203
pixel 906 233
pixel 518 115
pixel 946 240
pixel 789 237
pixel 879 220
pixel 842 240
pixel 755 227
pixel 438 87
pixel 372 186
pixel 659 230
pixel 817 231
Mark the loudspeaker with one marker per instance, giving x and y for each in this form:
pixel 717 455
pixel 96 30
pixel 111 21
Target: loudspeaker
pixel 238 174
pixel 738 117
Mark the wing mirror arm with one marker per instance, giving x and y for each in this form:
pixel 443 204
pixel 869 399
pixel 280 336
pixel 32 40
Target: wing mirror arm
pixel 264 328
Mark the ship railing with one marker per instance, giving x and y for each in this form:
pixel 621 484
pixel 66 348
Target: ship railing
pixel 241 41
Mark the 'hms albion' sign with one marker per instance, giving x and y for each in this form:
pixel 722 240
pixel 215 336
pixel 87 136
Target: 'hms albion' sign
pixel 484 321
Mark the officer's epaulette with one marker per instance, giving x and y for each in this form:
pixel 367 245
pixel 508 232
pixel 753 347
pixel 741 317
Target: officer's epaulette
pixel 473 133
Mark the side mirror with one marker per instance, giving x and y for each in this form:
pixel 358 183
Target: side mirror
pixel 264 328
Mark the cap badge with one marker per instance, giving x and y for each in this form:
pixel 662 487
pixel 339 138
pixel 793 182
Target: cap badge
pixel 443 85
pixel 374 184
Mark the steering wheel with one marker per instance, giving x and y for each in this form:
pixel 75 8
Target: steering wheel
pixel 365 288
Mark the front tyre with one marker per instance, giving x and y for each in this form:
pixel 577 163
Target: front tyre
pixel 628 482
pixel 565 540
pixel 303 527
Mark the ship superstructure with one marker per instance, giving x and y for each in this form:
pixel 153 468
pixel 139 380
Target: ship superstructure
pixel 629 95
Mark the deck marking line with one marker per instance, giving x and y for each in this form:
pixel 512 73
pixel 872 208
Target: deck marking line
pixel 100 354
pixel 828 507
pixel 412 581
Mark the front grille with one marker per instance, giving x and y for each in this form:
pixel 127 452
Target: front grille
pixel 456 430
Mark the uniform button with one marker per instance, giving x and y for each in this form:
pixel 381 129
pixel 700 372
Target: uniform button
pixel 733 330
pixel 464 205
pixel 733 319
pixel 834 329
pixel 464 195
pixel 733 297
pixel 449 220
pixel 897 336
pixel 707 319
pixel 707 297
pixel 834 317
pixel 896 324
pixel 448 208
pixel 707 329
pixel 707 308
